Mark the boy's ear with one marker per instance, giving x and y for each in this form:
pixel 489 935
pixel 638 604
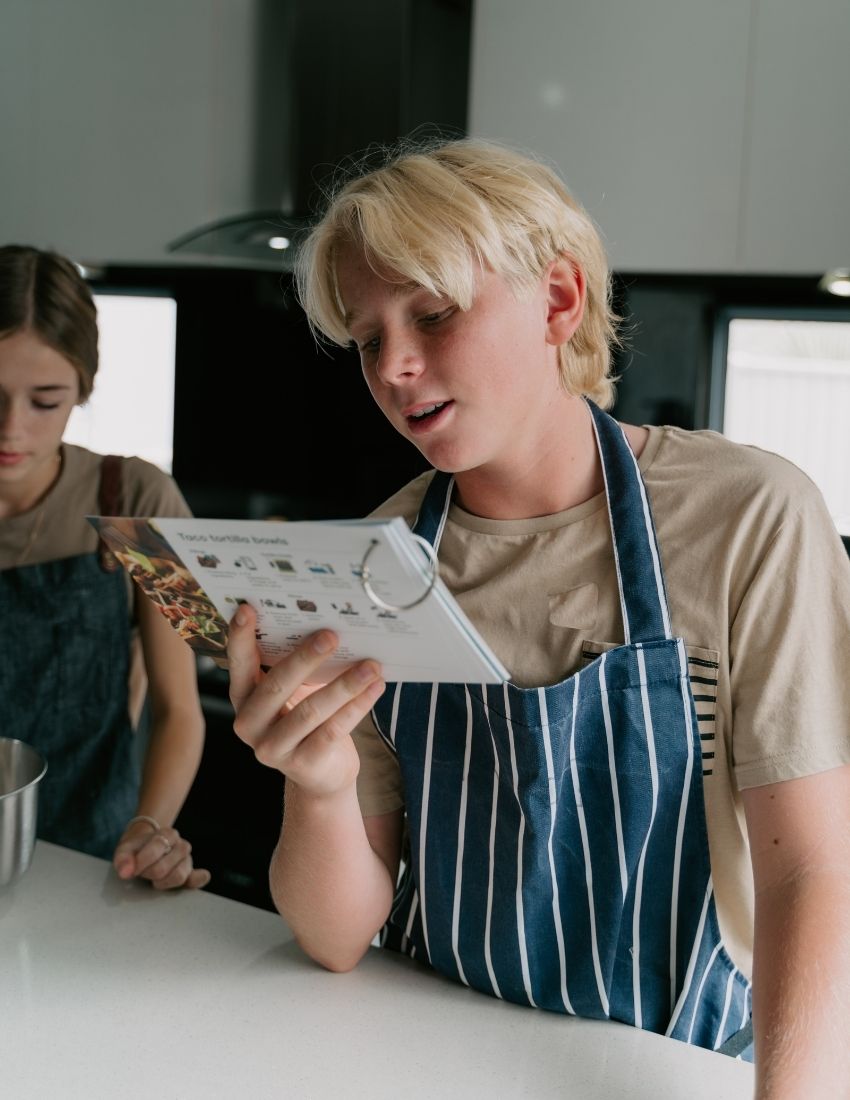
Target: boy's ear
pixel 567 293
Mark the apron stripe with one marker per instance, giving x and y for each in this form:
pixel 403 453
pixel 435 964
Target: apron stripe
pixel 406 939
pixel 692 963
pixel 553 812
pixel 726 1003
pixel 588 870
pixel 444 514
pixel 650 745
pixel 461 832
pixel 680 827
pixel 488 923
pixel 615 789
pixel 520 916
pixel 423 828
pixel 627 630
pixel 408 932
pixel 394 718
pixel 703 980
pixel 434 509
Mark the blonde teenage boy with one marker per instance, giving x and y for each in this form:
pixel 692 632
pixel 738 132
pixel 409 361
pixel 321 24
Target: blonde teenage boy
pixel 650 822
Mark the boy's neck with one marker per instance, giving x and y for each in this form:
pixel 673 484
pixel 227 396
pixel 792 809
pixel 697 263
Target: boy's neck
pixel 564 471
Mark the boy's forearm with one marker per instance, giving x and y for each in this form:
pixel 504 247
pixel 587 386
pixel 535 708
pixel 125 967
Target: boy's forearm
pixel 801 987
pixel 329 885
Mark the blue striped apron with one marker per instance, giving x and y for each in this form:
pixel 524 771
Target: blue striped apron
pixel 558 852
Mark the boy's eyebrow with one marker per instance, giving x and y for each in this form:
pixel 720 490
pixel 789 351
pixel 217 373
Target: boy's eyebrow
pixel 44 389
pixel 397 290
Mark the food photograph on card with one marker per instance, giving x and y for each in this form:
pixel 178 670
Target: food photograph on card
pixel 163 577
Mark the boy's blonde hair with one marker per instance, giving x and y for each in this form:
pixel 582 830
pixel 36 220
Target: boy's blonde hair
pixel 432 215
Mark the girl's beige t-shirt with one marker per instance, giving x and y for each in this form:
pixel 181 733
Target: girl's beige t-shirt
pixel 759 588
pixel 60 524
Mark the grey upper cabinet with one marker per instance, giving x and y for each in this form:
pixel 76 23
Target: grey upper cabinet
pixel 701 137
pixel 694 133
pixel 795 213
pixel 124 125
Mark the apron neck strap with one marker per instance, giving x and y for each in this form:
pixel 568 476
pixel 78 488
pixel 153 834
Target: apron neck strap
pixel 643 599
pixel 109 504
pixel 434 509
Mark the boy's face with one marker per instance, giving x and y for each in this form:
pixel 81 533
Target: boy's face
pixel 473 390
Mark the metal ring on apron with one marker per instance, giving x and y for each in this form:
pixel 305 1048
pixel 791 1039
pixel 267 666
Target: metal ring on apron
pixel 366 574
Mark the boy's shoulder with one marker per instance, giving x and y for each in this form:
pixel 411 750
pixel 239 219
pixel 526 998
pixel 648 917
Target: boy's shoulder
pixel 698 477
pixel 719 473
pixel 407 501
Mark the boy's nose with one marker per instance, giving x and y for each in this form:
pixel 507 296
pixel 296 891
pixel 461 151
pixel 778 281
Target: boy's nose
pixel 399 360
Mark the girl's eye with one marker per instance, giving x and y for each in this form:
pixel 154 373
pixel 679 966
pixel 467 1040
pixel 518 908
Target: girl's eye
pixel 41 405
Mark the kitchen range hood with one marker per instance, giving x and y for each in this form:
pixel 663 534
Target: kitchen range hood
pixel 337 79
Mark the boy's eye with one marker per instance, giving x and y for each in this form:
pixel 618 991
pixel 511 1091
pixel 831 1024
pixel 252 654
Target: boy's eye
pixel 439 315
pixel 44 406
pixel 371 344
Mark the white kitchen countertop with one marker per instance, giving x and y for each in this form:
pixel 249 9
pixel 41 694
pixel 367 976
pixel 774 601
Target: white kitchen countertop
pixel 111 990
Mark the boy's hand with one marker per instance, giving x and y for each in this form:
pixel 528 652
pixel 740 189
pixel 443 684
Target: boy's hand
pixel 303 730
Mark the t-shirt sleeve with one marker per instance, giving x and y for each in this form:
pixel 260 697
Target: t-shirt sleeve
pixel 379 788
pixel 147 491
pixel 790 651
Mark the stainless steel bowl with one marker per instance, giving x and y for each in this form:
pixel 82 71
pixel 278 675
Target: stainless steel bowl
pixel 21 771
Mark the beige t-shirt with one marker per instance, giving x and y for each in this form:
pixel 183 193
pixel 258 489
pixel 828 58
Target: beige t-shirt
pixel 60 525
pixel 759 588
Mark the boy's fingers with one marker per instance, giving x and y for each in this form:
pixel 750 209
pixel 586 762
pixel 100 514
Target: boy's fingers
pixel 329 708
pixel 243 656
pixel 288 675
pixel 258 708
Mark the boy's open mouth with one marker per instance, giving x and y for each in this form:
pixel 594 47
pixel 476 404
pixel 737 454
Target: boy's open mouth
pixel 429 412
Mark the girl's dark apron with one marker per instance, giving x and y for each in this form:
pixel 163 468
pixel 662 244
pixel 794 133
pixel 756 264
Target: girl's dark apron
pixel 558 845
pixel 64 656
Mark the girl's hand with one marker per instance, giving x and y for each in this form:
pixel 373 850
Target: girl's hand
pixel 301 729
pixel 161 856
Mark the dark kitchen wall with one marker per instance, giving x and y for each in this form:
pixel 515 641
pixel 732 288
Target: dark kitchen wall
pixel 670 328
pixel 266 421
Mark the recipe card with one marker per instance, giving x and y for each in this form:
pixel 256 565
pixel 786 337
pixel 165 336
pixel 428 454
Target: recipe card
pixel 369 581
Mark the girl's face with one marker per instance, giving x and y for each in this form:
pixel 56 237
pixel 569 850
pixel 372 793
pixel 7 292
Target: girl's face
pixel 38 390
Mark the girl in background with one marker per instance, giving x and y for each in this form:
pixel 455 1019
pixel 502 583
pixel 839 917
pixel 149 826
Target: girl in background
pixel 71 627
